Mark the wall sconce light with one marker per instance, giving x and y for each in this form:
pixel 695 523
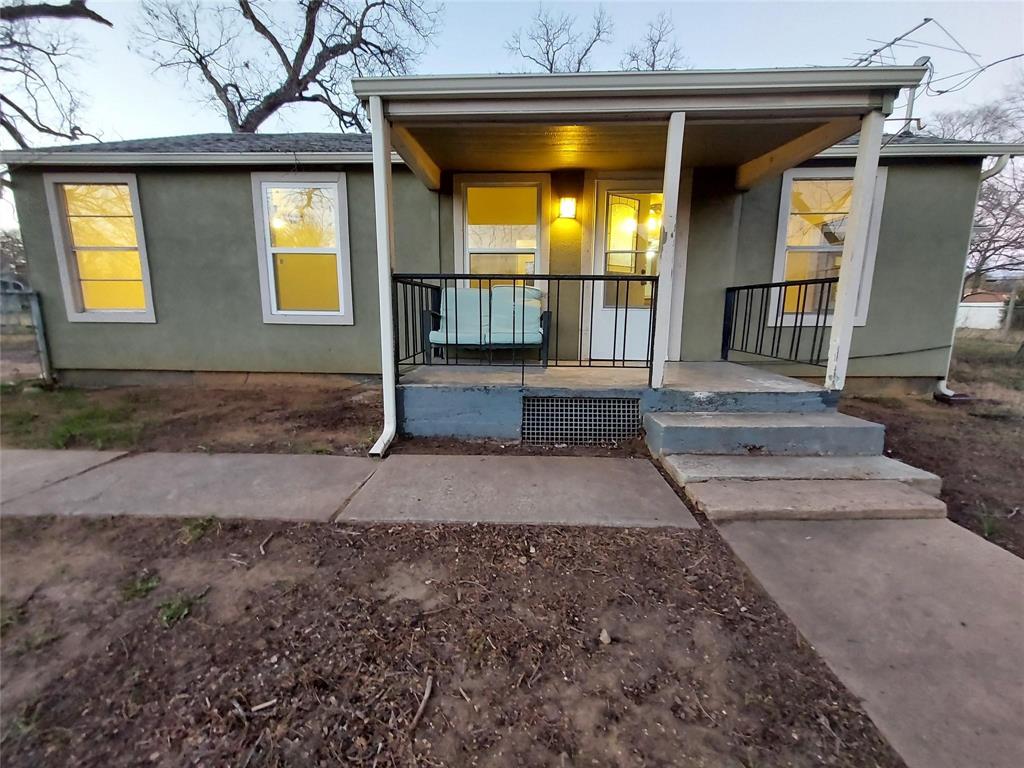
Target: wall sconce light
pixel 567 208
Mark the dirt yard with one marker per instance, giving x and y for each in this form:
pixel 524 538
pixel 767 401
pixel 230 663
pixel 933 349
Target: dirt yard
pixel 977 447
pixel 129 642
pixel 339 419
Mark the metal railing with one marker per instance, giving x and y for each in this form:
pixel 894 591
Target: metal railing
pixel 553 320
pixel 784 321
pixel 24 338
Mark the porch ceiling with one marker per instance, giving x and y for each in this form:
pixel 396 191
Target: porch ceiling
pixel 610 146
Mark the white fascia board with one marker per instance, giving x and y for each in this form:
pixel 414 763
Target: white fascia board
pixel 614 84
pixel 930 150
pixel 37 157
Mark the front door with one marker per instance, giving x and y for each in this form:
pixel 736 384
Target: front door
pixel 627 244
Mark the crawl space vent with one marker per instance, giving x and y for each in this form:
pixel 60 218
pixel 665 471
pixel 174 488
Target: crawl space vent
pixel 580 420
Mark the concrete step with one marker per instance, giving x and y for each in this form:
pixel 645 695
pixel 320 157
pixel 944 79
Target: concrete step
pixel 695 468
pixel 725 500
pixel 778 434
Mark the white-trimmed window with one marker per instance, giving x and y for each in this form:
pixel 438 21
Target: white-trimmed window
pixel 813 215
pixel 302 239
pixel 501 223
pixel 101 248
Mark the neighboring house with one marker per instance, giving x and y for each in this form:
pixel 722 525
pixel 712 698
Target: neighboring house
pixel 779 240
pixel 982 311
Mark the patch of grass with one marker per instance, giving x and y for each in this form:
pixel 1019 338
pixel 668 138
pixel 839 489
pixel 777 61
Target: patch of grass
pixel 25 723
pixel 991 523
pixel 988 356
pixel 193 530
pixel 37 640
pixel 97 427
pixel 140 586
pixel 10 616
pixel 173 610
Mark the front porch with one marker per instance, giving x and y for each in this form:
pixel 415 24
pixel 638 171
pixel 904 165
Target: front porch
pixel 595 223
pixel 571 404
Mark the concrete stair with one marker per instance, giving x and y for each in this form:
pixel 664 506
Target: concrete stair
pixel 695 468
pixel 777 434
pixel 730 500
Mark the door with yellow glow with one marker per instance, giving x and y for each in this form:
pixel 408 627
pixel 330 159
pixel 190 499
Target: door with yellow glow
pixel 627 243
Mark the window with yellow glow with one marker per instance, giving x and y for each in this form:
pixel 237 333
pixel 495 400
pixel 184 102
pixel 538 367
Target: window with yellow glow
pixel 302 240
pixel 632 244
pixel 815 231
pixel 502 229
pixel 103 241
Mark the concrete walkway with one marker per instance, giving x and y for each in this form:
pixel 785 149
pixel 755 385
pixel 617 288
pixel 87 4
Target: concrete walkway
pixel 921 619
pixel 501 489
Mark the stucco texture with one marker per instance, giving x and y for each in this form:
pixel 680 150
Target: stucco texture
pixel 203 260
pixel 201 239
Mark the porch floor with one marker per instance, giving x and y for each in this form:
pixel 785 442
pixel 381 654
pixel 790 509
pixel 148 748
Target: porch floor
pixel 688 377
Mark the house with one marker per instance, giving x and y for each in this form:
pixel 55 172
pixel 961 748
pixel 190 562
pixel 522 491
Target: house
pixel 636 222
pixel 983 310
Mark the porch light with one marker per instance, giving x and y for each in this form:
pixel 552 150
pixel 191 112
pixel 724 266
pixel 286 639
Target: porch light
pixel 567 208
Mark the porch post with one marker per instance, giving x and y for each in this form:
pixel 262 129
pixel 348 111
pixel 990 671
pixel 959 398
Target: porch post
pixel 854 246
pixel 672 255
pixel 384 222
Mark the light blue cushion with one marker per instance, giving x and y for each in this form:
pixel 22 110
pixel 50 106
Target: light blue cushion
pixel 465 317
pixel 515 314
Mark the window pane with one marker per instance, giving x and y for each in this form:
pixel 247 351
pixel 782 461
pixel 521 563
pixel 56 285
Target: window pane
pixel 113 294
pixel 502 264
pixel 103 231
pixel 810 265
pixel 301 218
pixel 501 217
pixel 307 282
pixel 97 199
pixel 816 229
pixel 821 195
pixel 109 265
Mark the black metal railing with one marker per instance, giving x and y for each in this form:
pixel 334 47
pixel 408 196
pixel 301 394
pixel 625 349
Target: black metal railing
pixel 524 320
pixel 785 321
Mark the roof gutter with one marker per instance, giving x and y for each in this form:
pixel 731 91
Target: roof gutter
pixel 615 84
pixel 109 158
pixel 930 150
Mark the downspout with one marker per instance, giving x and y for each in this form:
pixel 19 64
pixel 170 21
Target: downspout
pixel 942 390
pixel 383 213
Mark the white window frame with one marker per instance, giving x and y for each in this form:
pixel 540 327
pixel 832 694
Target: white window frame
pixel 336 183
pixel 66 263
pixel 867 275
pixel 542 181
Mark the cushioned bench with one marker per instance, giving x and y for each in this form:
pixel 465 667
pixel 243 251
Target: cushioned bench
pixel 504 316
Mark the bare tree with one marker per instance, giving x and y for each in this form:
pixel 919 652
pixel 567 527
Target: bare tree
pixel 251 59
pixel 553 42
pixel 36 54
pixel 657 50
pixel 997 242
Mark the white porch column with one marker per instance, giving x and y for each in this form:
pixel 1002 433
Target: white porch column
pixel 854 246
pixel 673 251
pixel 384 221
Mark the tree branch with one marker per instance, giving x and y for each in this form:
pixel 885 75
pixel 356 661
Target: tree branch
pixel 75 9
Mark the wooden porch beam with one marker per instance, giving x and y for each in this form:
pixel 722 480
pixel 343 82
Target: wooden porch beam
pixel 794 152
pixel 673 250
pixel 416 157
pixel 855 244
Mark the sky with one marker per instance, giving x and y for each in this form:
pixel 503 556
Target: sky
pixel 125 98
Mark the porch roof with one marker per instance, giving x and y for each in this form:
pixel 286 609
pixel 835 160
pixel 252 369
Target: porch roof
pixel 764 118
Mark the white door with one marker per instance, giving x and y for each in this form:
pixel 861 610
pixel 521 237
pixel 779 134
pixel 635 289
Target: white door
pixel 627 246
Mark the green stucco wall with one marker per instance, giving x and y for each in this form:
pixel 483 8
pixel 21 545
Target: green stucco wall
pixel 201 240
pixel 203 261
pixel 922 243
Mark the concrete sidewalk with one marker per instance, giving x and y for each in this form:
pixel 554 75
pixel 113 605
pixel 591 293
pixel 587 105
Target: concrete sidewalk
pixel 561 490
pixel 921 619
pixel 501 489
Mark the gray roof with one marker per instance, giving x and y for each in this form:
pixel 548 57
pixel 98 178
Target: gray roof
pixel 229 142
pixel 907 139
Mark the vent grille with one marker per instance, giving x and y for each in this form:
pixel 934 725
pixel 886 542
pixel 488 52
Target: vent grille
pixel 580 420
